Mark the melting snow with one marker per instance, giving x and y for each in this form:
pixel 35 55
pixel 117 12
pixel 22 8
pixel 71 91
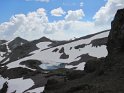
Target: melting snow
pixel 47 56
pixel 78 67
pixel 19 84
pixel 36 90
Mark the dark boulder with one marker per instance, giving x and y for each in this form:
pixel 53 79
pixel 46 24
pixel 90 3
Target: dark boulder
pixel 64 56
pixel 61 50
pixel 17 73
pixel 34 64
pixel 55 50
pixel 116 37
pixel 4 88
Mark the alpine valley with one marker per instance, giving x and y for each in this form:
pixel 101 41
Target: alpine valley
pixel 89 64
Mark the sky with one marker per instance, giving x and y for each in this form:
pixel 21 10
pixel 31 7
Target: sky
pixel 55 19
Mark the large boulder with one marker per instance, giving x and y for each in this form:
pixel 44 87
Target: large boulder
pixel 116 37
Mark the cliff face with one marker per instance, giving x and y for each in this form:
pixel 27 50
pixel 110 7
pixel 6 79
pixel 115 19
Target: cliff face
pixel 116 36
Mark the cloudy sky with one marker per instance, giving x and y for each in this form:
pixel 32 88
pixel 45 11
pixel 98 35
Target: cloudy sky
pixel 55 19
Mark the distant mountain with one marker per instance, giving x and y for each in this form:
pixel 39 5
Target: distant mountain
pixel 16 42
pixel 32 59
pixel 2 41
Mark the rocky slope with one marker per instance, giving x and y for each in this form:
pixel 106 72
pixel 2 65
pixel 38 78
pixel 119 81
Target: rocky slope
pixel 36 62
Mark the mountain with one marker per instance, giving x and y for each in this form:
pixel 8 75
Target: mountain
pixel 36 60
pixel 16 42
pixel 2 41
pixel 63 53
pixel 8 46
pixel 90 64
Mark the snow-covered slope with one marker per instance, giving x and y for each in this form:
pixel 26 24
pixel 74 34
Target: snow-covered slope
pixel 68 52
pixel 19 85
pixel 27 61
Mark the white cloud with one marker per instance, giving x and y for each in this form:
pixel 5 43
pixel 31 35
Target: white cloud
pixel 35 24
pixel 58 12
pixel 106 13
pixel 74 15
pixel 39 0
pixel 81 4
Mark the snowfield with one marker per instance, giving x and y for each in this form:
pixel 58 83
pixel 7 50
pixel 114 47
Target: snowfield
pixel 19 85
pixel 48 56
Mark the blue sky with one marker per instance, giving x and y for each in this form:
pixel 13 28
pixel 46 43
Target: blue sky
pixel 55 19
pixel 12 7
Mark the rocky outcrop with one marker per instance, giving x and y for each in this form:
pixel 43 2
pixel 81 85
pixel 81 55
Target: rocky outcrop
pixel 34 64
pixel 64 56
pixel 116 37
pixel 4 88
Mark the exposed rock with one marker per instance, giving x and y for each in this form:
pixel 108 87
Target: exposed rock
pixel 3 48
pixel 4 88
pixel 116 37
pixel 17 72
pixel 93 65
pixel 70 48
pixel 80 46
pixel 55 50
pixel 34 64
pixel 83 58
pixel 64 56
pixel 99 42
pixel 44 39
pixel 61 50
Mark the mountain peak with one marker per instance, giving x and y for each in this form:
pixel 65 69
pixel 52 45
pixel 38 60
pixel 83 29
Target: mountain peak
pixel 43 39
pixel 17 42
pixel 19 39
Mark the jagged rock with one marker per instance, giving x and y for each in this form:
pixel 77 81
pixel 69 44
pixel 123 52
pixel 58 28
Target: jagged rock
pixel 116 37
pixel 83 58
pixel 79 46
pixel 61 50
pixel 55 50
pixel 64 56
pixel 4 88
pixel 99 42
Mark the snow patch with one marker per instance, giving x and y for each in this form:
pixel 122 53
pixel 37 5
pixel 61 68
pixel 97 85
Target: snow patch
pixel 19 85
pixel 36 90
pixel 78 67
